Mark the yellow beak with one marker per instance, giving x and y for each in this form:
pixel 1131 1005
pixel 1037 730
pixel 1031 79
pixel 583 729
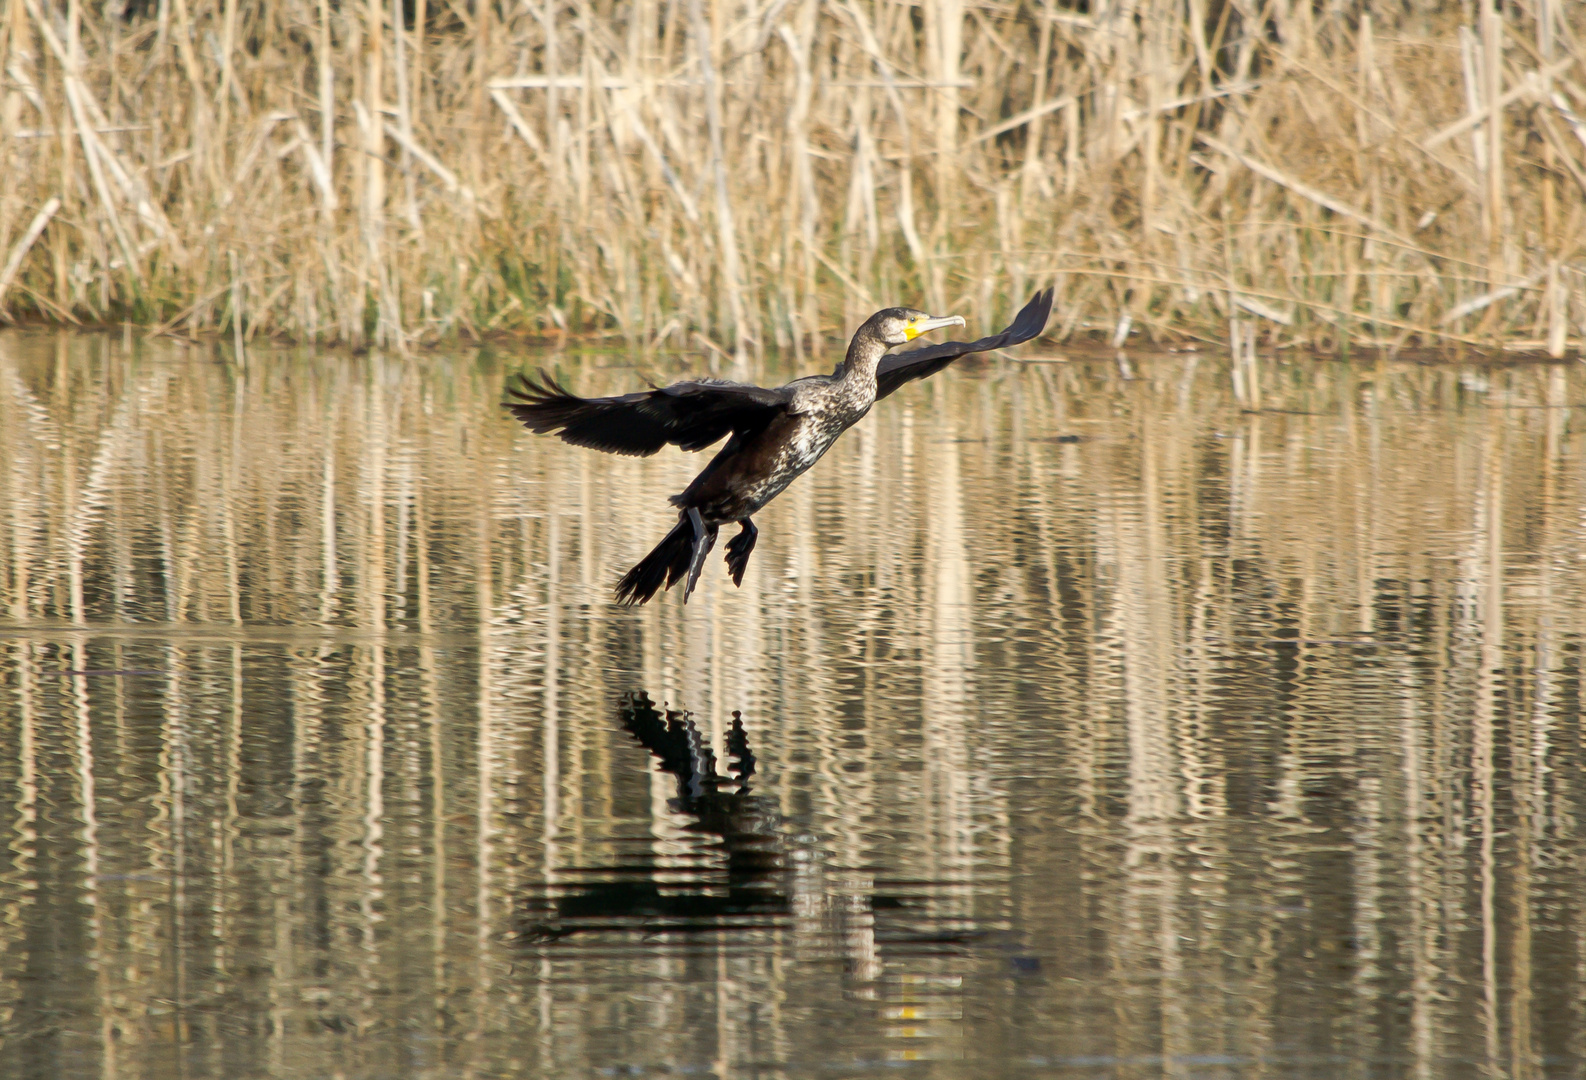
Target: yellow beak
pixel 929 323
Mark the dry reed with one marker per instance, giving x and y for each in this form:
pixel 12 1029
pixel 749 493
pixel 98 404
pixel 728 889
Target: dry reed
pixel 755 174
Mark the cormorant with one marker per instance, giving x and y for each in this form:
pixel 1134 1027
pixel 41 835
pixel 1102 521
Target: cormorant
pixel 777 433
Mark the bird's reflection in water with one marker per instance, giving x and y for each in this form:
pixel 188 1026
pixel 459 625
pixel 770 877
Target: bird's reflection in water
pixel 731 880
pixel 747 872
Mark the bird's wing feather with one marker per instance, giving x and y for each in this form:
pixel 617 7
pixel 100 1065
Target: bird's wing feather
pixel 899 368
pixel 691 415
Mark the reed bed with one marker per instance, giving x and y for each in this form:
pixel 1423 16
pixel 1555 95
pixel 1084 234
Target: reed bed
pixel 742 176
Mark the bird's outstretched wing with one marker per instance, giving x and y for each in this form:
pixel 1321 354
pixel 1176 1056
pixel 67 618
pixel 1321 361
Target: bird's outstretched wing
pixel 691 415
pixel 899 368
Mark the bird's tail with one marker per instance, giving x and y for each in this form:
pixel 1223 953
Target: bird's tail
pixel 665 565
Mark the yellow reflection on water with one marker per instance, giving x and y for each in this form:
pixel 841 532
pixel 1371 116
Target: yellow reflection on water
pixel 1062 722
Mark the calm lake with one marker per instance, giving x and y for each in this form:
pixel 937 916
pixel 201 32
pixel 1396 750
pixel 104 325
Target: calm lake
pixel 1064 725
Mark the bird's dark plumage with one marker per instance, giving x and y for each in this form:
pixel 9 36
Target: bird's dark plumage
pixel 690 415
pixel 776 433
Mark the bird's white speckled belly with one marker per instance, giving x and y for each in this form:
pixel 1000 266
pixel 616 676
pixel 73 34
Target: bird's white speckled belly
pixel 811 439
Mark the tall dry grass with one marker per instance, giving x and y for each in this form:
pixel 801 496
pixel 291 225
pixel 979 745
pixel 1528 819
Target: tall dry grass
pixel 753 174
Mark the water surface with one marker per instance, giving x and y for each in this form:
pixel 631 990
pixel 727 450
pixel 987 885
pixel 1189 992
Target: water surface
pixel 1064 726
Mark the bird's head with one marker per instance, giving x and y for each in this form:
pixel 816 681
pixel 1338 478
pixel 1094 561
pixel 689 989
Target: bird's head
pixel 899 325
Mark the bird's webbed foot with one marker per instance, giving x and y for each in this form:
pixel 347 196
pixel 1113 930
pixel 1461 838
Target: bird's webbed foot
pixel 738 549
pixel 704 539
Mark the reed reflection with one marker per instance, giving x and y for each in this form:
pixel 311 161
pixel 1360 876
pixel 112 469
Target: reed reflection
pixel 1253 737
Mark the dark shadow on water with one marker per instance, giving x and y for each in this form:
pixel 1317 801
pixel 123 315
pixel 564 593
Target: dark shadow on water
pixel 748 870
pixel 731 883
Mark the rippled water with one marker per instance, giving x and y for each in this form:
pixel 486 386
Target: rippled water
pixel 1064 726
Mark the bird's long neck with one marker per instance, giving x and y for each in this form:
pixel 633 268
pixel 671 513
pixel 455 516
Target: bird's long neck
pixel 864 355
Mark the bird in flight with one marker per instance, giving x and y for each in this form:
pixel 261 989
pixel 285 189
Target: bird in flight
pixel 776 432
